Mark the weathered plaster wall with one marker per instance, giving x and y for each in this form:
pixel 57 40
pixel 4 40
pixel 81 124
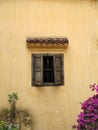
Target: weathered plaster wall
pixel 52 108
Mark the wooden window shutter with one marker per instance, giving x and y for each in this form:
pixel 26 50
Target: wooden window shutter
pixel 58 68
pixel 37 69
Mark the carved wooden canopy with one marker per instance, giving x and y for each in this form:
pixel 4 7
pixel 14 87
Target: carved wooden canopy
pixel 47 42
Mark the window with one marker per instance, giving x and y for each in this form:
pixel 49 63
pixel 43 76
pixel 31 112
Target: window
pixel 47 70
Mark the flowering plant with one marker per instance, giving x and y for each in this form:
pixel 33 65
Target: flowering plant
pixel 88 118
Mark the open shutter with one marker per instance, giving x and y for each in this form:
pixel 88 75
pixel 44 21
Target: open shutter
pixel 37 69
pixel 58 68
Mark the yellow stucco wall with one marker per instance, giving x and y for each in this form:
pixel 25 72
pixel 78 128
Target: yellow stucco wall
pixel 52 108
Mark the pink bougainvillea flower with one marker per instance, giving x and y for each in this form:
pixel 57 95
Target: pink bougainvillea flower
pixel 88 118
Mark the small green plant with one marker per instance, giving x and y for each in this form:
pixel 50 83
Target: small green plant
pixel 8 116
pixel 12 100
pixel 13 97
pixel 3 125
pixel 11 119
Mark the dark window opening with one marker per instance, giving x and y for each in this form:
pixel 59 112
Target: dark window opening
pixel 48 69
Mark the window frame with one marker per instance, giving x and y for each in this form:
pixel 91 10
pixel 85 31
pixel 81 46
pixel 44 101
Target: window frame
pixel 61 71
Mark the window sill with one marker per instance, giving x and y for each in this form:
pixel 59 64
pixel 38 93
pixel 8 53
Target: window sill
pixel 48 85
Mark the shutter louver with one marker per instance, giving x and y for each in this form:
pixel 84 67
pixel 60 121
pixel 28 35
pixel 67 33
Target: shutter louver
pixel 58 65
pixel 37 69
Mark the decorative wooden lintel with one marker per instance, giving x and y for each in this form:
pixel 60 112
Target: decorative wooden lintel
pixel 47 42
